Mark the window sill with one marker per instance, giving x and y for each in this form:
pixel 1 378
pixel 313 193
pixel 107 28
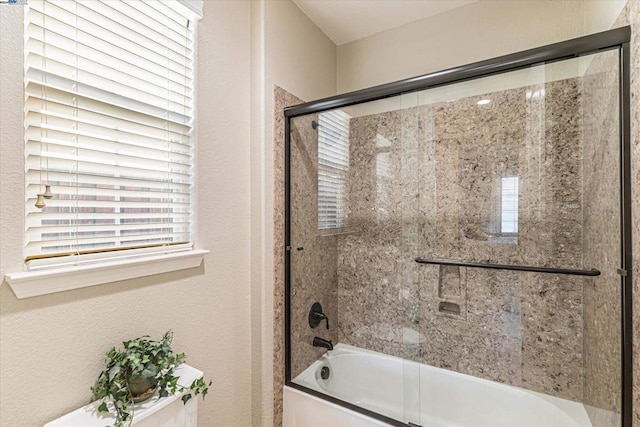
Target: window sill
pixel 47 281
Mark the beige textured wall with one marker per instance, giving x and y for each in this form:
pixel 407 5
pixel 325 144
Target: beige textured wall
pixel 282 99
pixel 289 51
pixel 475 32
pixel 51 347
pixel 601 15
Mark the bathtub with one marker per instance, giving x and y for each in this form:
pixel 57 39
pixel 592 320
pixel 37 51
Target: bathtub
pixel 435 397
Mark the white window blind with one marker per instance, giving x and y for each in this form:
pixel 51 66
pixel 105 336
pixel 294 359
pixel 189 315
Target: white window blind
pixel 333 164
pixel 108 124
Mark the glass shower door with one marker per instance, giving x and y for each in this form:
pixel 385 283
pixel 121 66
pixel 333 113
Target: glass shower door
pixel 522 169
pixel 350 254
pixel 455 251
pixel 412 133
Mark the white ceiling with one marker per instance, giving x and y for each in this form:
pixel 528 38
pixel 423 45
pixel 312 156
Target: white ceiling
pixel 347 20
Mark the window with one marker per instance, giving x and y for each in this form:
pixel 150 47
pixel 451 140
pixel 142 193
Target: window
pixel 333 164
pixel 108 127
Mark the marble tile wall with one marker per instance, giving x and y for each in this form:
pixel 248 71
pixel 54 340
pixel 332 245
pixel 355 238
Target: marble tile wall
pixel 596 328
pixel 631 16
pixel 551 235
pixel 282 99
pixel 370 259
pixel 425 181
pixel 601 207
pixel 313 258
pixel 313 255
pixel 634 19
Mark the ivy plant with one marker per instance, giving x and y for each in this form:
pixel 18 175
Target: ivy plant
pixel 141 368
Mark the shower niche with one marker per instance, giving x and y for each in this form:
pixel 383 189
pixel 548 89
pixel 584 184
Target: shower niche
pixel 467 234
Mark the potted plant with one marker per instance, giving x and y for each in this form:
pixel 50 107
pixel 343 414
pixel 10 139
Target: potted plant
pixel 137 372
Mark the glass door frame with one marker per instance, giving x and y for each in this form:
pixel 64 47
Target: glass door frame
pixel 618 38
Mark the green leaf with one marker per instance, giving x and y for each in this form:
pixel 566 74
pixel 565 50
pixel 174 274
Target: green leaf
pixel 113 372
pixel 146 357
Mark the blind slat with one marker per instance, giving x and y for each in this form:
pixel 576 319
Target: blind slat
pixel 79 244
pixel 97 94
pixel 88 72
pixel 114 193
pixel 41 40
pixel 88 179
pixel 97 87
pixel 48 100
pixel 102 147
pixel 100 229
pixel 79 163
pixel 37 220
pixel 64 18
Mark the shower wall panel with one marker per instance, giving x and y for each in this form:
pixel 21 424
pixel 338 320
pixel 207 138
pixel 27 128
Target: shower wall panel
pixel 313 256
pixel 551 236
pixel 281 99
pixel 601 241
pixel 523 329
pixel 633 14
pixel 369 258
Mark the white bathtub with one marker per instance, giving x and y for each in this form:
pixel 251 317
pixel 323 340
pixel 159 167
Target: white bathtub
pixel 416 393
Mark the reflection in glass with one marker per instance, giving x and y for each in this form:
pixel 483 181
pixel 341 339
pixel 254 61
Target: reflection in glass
pixel 509 205
pixel 333 162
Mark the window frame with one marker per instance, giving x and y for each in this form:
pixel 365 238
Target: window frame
pixel 55 274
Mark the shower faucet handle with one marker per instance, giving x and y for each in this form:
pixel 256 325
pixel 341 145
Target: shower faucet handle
pixel 322 316
pixel 316 316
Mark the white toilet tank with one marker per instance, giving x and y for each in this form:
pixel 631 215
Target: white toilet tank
pixel 155 412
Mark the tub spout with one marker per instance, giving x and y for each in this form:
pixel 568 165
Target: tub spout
pixel 320 342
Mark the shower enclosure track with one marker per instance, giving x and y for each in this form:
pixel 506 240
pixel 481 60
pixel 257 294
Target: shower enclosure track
pixel 592 272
